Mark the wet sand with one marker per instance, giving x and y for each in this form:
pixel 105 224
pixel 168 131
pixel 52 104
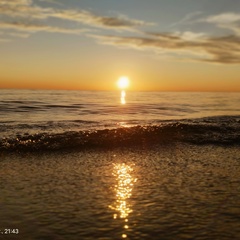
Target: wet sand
pixel 178 191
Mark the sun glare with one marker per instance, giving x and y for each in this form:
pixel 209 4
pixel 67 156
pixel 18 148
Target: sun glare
pixel 123 82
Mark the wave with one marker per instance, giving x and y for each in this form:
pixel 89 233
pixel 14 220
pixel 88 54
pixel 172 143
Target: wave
pixel 198 131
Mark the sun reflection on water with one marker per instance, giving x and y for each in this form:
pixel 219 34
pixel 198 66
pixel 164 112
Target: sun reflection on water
pixel 123 95
pixel 123 190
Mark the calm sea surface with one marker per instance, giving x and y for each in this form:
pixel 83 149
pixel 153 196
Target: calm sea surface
pixel 32 111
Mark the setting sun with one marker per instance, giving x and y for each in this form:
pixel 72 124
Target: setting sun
pixel 123 82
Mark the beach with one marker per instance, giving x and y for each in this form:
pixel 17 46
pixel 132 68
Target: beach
pixel 165 191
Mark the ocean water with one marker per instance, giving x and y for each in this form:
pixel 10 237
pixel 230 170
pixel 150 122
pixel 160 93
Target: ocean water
pixel 176 191
pixel 83 165
pixel 31 119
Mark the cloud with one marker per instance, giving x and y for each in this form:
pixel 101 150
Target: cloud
pixel 52 1
pixel 15 2
pixel 187 45
pixel 178 35
pixel 25 9
pixel 230 21
pixel 187 19
pixel 32 28
pixel 20 18
pixel 223 18
pixel 225 50
pixel 26 16
pixel 94 20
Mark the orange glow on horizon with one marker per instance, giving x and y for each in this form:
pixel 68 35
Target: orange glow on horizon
pixel 101 83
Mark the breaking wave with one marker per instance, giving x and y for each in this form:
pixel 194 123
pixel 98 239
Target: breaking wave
pixel 214 130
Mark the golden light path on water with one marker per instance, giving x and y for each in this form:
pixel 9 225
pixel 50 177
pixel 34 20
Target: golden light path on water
pixel 123 95
pixel 123 190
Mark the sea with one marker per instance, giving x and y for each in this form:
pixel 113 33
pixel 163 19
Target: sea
pixel 87 165
pixel 37 120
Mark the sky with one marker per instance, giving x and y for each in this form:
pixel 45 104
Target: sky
pixel 160 45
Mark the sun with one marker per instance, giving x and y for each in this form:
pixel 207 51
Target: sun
pixel 123 82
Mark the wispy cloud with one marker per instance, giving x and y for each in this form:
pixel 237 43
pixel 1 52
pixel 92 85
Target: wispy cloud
pixel 187 45
pixel 25 9
pixel 15 2
pixel 229 20
pixel 27 17
pixel 224 50
pixel 21 18
pixel 52 1
pixel 224 18
pixel 94 20
pixel 187 19
pixel 29 27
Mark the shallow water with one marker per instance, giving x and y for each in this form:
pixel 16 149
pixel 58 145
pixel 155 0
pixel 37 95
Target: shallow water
pixel 174 191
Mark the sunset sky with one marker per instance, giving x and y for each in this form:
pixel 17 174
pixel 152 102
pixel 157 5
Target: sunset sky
pixel 161 45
